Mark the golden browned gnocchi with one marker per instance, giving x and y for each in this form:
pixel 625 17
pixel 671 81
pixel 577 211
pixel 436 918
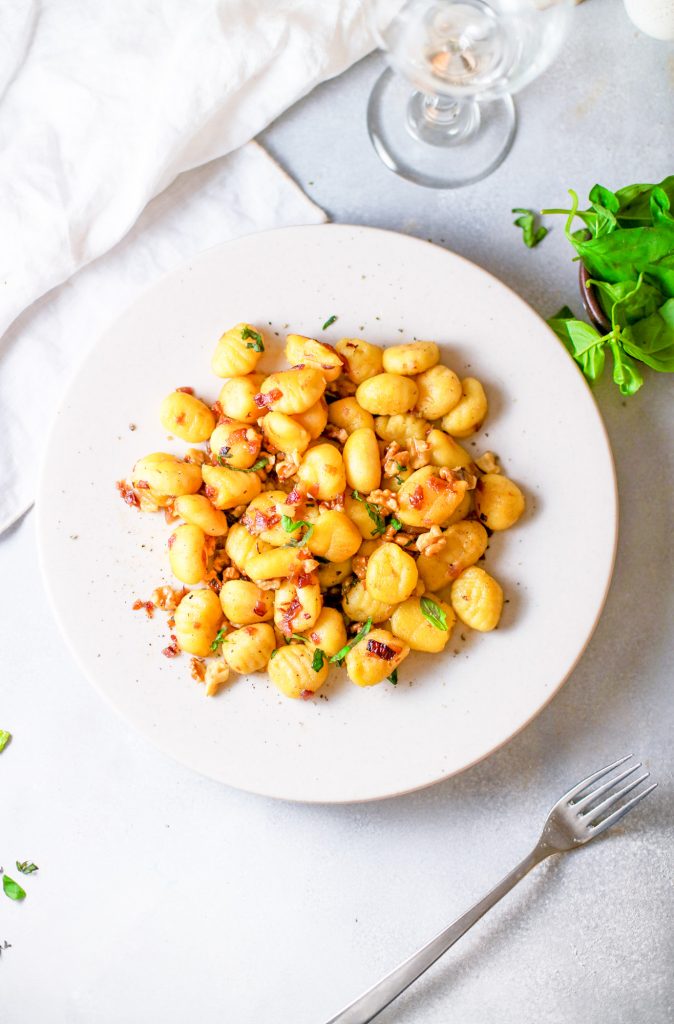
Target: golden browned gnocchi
pixel 327 515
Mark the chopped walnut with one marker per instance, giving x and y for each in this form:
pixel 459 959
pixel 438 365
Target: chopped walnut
pixel 217 674
pixel 335 503
pixel 359 566
pixel 168 598
pixel 488 463
pixel 343 387
pixel 169 514
pixel 395 459
pixel 197 669
pixel 432 542
pixel 268 584
pixel 403 540
pixel 419 453
pixel 463 473
pixel 288 465
pixel 231 573
pixel 310 565
pixel 383 498
pixel 335 433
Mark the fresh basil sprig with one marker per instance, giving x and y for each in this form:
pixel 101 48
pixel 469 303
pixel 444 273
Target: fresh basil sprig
pixel 341 654
pixel 434 613
pixel 291 525
pixel 374 514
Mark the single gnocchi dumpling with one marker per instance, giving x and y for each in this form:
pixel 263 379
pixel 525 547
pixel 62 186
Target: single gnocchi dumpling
pixel 464 544
pixel 424 623
pixel 292 391
pixel 499 502
pixel 298 670
pixel 362 461
pixel 375 657
pixel 412 358
pixel 314 419
pixel 387 394
pixel 228 488
pixel 284 434
pixel 439 392
pixel 402 428
pixel 391 574
pixel 187 417
pixel 322 472
pixel 264 518
pixel 274 563
pixel 166 477
pixel 241 546
pixel 362 359
pixel 197 509
pixel 235 444
pixel 360 605
pixel 347 414
pixel 477 599
pixel 188 553
pixel 445 451
pixel 238 351
pixel 469 413
pixel 429 497
pixel 333 574
pixel 237 398
pixel 198 618
pixel 328 632
pixel 296 608
pixel 334 535
pixel 248 649
pixel 314 353
pixel 244 603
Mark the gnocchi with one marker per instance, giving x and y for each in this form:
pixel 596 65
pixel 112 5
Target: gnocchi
pixel 330 515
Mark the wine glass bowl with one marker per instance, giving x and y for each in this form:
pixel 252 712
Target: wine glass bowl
pixel 453 65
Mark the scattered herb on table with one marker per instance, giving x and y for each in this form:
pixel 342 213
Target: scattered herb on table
pixel 531 235
pixel 5 737
pixel 26 867
pixel 374 514
pixel 393 678
pixel 341 654
pixel 434 613
pixel 257 344
pixel 626 245
pixel 329 322
pixel 12 888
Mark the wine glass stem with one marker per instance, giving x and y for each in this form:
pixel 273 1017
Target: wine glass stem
pixel 441 120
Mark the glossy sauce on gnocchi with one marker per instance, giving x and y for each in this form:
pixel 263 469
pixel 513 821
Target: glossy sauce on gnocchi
pixel 329 513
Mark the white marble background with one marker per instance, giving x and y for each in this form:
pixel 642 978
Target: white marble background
pixel 164 896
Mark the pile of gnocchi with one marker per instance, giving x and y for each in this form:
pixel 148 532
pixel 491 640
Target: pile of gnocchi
pixel 324 514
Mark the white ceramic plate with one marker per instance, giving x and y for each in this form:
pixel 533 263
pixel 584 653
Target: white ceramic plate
pixel 447 711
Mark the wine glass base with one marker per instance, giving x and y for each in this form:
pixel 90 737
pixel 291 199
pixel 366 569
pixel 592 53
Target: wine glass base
pixel 447 158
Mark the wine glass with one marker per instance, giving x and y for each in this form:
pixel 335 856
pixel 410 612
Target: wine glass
pixel 442 115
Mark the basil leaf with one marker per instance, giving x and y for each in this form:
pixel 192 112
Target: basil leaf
pixel 5 737
pixel 220 638
pixel 12 888
pixel 434 613
pixel 341 654
pixel 299 542
pixel 651 340
pixel 396 524
pixel 328 323
pixel 374 514
pixel 318 660
pixel 260 464
pixel 531 235
pixel 393 678
pixel 257 344
pixel 26 867
pixel 298 636
pixel 625 372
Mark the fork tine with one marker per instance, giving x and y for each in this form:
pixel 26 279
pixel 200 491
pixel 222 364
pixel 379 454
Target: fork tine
pixel 592 778
pixel 597 811
pixel 580 805
pixel 622 811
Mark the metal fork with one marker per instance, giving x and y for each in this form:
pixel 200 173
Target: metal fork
pixel 577 818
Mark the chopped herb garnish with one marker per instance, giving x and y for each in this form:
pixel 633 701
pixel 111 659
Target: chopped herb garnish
pixel 341 655
pixel 318 660
pixel 290 525
pixel 256 344
pixel 393 678
pixel 220 638
pixel 374 514
pixel 400 467
pixel 12 888
pixel 5 737
pixel 26 867
pixel 434 613
pixel 396 524
pixel 329 322
pixel 260 464
pixel 298 637
pixel 274 653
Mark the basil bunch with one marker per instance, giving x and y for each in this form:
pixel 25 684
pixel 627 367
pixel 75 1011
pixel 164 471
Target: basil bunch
pixel 627 248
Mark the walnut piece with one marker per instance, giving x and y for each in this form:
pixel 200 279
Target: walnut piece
pixel 488 463
pixel 432 542
pixel 384 498
pixel 217 674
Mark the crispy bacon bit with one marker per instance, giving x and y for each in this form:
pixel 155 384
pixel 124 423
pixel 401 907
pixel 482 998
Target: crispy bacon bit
pixel 172 651
pixel 171 541
pixel 334 503
pixel 215 584
pixel 210 491
pixel 296 496
pixel 307 694
pixel 438 483
pixel 142 485
pixel 264 399
pixel 197 670
pixel 147 605
pixel 128 494
pixel 260 521
pixel 259 608
pixel 170 622
pixel 315 638
pixel 417 497
pixel 186 391
pixel 216 409
pixel 169 514
pixel 180 418
pixel 380 650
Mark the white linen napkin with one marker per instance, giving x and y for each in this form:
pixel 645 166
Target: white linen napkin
pixel 102 106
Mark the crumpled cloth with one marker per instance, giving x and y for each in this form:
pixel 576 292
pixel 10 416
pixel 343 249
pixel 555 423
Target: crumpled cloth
pixel 104 109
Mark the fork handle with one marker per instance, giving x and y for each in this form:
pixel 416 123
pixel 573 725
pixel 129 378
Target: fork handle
pixel 372 1002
